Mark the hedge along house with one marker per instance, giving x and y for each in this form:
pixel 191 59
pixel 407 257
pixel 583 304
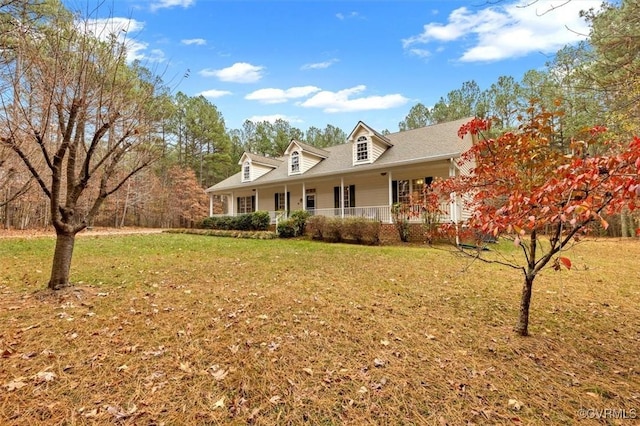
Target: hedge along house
pixel 363 177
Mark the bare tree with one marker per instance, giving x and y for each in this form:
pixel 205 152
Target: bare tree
pixel 80 119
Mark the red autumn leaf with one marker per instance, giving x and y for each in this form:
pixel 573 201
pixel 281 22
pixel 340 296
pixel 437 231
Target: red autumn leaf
pixel 566 262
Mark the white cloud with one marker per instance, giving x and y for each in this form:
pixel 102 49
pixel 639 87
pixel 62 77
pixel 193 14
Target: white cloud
pixel 240 72
pixel 166 4
pixel 213 93
pixel 342 16
pixel 508 30
pixel 125 30
pixel 342 101
pixel 277 96
pixel 319 65
pixel 196 41
pixel 272 118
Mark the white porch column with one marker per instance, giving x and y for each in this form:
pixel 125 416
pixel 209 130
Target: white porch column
pixel 232 205
pixel 210 204
pixel 257 199
pixel 342 197
pixel 286 200
pixel 390 196
pixel 453 205
pixel 304 197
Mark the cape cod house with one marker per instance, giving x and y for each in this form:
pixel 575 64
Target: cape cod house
pixel 363 177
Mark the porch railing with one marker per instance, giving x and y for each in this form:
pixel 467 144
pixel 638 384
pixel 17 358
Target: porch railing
pixel 381 213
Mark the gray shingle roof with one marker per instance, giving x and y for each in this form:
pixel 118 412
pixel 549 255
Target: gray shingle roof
pixel 425 144
pixel 267 161
pixel 312 149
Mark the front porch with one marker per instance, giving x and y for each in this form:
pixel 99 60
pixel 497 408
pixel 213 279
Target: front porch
pixel 378 213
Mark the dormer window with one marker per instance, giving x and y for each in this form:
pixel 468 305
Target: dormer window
pixel 362 149
pixel 295 162
pixel 246 171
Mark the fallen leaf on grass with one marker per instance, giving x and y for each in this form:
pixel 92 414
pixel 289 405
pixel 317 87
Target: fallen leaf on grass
pixel 14 385
pixel 308 371
pixel 219 403
pixel 515 405
pixel 384 342
pixel 184 366
pixel 44 376
pixel 379 362
pixel 119 413
pixel 217 372
pixel 275 399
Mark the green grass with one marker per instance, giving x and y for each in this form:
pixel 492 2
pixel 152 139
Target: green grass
pixel 186 329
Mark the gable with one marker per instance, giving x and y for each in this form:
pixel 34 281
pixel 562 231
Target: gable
pixel 367 144
pixel 302 157
pixel 254 166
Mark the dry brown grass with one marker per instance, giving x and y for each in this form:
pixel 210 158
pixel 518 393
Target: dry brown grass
pixel 182 329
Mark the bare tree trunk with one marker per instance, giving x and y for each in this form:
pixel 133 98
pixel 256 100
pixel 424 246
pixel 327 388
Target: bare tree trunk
pixel 523 321
pixel 65 242
pixel 126 205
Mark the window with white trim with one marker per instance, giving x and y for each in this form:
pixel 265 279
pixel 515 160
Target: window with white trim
pixel 404 192
pixel 280 200
pixel 362 149
pixel 295 162
pixel 245 204
pixel 246 171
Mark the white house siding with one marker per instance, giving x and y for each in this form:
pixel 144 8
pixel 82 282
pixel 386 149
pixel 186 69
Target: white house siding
pixel 308 161
pixel 258 170
pixel 377 149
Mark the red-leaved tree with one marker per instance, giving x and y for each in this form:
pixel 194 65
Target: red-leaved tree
pixel 523 188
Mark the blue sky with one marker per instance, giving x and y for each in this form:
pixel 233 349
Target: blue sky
pixel 315 63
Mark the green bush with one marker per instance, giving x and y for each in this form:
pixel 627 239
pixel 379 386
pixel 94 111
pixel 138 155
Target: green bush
pixel 299 219
pixel 256 221
pixel 260 221
pixel 287 228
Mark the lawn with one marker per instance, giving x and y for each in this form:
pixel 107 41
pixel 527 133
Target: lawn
pixel 183 329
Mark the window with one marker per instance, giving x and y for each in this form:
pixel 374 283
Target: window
pixel 362 149
pixel 280 201
pixel 245 204
pixel 404 193
pixel 295 162
pixel 417 189
pixel 246 171
pixel 349 195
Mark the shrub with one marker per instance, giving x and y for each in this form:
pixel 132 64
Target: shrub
pixel 333 230
pixel 287 228
pixel 299 219
pixel 256 221
pixel 399 213
pixel 315 226
pixel 260 220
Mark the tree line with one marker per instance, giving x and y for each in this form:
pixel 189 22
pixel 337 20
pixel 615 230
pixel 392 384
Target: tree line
pixel 182 143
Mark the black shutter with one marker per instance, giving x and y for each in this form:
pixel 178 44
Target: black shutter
pixel 253 203
pixel 336 197
pixel 288 201
pixel 237 205
pixel 394 190
pixel 276 202
pixel 352 195
pixel 428 180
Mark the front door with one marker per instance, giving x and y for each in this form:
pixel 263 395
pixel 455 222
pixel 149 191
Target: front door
pixel 311 202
